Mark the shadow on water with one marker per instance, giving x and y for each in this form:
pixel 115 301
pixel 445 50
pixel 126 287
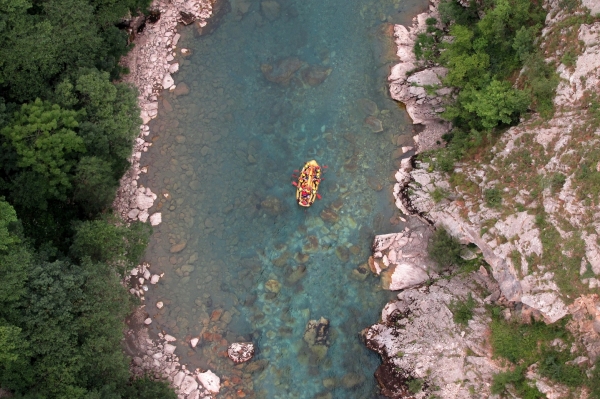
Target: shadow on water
pixel 275 85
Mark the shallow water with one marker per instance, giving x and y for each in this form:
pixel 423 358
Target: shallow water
pixel 254 266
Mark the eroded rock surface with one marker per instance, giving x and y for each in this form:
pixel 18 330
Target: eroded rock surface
pixel 418 338
pixel 422 106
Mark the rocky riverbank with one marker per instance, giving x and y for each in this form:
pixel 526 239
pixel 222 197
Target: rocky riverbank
pixel 417 338
pixel 152 62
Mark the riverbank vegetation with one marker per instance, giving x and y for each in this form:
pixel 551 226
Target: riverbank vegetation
pixel 491 41
pixel 66 131
pixel 502 71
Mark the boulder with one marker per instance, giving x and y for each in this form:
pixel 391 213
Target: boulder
pixel 182 89
pixel 272 205
pixel 270 9
pixel 188 385
pixel 240 352
pixel 283 70
pixel 156 219
pixel 178 247
pixel 403 275
pixel 317 332
pixel 273 286
pixel 210 381
pixel 374 124
pixel 167 81
pixel 144 202
pixel 314 75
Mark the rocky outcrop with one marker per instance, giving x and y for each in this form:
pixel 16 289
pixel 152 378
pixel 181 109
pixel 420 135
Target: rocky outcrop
pixel 401 258
pixel 419 340
pixel 417 86
pixel 417 337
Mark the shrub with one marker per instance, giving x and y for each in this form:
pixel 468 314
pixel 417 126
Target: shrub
pixel 438 194
pixel 444 249
pixel 517 379
pixel 415 385
pixel 463 310
pixel 493 197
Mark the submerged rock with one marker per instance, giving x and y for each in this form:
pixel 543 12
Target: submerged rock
pixel 272 205
pixel 314 75
pixel 317 332
pixel 270 9
pixel 316 337
pixel 182 89
pixel 273 286
pixel 368 107
pixel 241 352
pixel 329 215
pixel 178 247
pixel 374 124
pixel 283 71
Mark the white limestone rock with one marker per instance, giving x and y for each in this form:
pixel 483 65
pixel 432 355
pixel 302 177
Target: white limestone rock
pixel 210 381
pixel 167 81
pixel 188 384
pixel 169 349
pixel 170 338
pixel 240 352
pixel 156 219
pixel 418 338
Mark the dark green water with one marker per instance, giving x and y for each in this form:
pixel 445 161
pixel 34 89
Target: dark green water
pixel 255 266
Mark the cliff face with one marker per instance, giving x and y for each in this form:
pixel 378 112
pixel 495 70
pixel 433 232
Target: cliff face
pixel 530 203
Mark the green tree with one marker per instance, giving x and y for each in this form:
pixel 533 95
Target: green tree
pixel 42 136
pixel 497 103
pixel 444 249
pixel 95 186
pixel 108 240
pixel 147 388
pixel 14 256
pixel 72 317
pixel 111 120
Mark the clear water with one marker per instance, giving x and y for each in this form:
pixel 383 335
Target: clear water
pixel 255 266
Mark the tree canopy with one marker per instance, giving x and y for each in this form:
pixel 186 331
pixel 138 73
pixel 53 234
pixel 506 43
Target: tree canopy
pixel 66 132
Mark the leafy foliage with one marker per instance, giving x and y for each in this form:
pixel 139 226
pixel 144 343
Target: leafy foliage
pixel 444 249
pixel 493 197
pixel 103 240
pixel 463 310
pixel 42 136
pixel 66 131
pixel 491 41
pixel 516 379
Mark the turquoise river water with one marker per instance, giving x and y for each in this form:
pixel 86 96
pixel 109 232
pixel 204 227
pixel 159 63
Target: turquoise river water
pixel 241 260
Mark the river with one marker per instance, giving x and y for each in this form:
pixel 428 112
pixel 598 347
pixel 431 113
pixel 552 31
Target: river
pixel 241 260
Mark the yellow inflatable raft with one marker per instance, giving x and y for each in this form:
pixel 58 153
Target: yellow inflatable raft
pixel 308 184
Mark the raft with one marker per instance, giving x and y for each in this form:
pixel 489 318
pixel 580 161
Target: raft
pixel 308 183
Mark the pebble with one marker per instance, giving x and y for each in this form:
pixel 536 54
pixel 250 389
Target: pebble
pixel 148 321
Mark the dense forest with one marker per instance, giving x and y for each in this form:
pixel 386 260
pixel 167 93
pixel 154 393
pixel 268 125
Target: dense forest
pixel 495 67
pixel 66 131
